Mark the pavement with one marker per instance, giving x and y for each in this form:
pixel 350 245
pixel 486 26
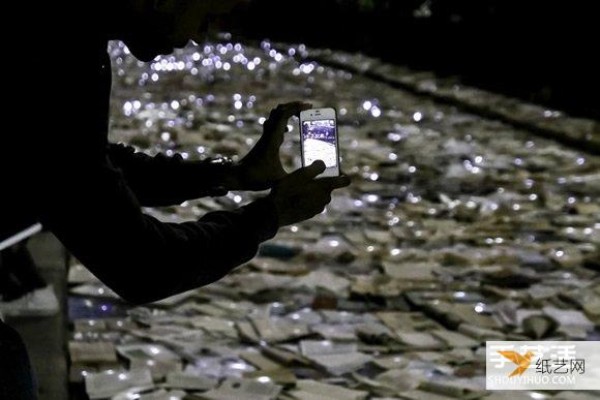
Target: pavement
pixel 45 337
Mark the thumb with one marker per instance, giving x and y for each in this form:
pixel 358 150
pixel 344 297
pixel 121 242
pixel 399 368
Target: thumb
pixel 307 173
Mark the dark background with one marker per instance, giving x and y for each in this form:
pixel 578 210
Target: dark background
pixel 543 52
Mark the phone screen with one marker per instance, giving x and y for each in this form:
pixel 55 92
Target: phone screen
pixel 319 142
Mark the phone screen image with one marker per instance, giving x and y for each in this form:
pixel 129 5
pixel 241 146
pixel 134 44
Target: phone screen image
pixel 319 142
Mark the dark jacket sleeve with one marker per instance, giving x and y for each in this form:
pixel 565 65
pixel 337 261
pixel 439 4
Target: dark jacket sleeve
pixel 86 200
pixel 98 219
pixel 168 180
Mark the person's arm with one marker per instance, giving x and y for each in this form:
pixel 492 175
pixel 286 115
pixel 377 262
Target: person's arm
pixel 99 220
pixel 142 259
pixel 87 203
pixel 168 180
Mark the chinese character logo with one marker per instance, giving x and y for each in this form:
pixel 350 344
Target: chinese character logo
pixel 522 361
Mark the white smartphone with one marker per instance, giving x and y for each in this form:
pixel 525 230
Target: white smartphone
pixel 319 139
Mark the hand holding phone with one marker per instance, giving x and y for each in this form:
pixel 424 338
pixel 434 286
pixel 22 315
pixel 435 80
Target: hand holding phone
pixel 319 139
pixel 299 196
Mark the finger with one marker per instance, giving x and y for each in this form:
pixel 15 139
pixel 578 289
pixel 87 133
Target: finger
pixel 277 122
pixel 280 115
pixel 302 107
pixel 308 173
pixel 294 105
pixel 334 182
